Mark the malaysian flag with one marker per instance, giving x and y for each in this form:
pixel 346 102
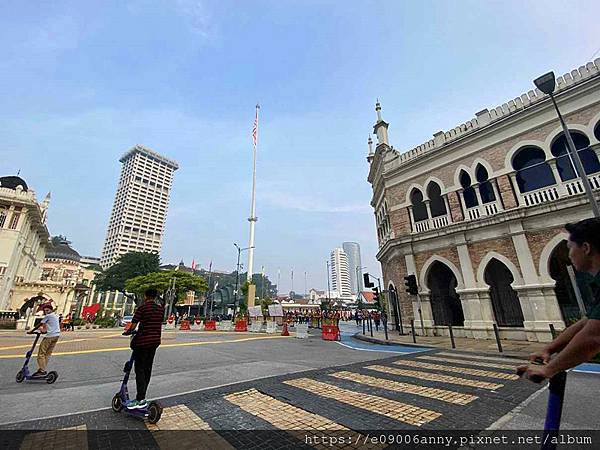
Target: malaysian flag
pixel 255 128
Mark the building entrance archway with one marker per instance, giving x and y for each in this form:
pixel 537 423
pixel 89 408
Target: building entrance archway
pixel 567 302
pixel 505 300
pixel 445 302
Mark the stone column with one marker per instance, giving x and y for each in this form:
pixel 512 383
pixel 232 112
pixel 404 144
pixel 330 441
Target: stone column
pixel 562 190
pixel 480 207
pixel 513 179
pixel 461 196
pixel 429 218
pixel 412 218
pixel 423 294
pixel 447 204
pixel 496 194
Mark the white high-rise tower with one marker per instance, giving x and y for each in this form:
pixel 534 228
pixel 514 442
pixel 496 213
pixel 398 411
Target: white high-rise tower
pixel 340 278
pixel 137 221
pixel 352 250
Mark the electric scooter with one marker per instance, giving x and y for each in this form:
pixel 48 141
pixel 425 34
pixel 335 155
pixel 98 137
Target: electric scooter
pixel 152 412
pixel 556 396
pixel 24 373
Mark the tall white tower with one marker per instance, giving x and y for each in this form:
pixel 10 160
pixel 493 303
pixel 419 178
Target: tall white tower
pixel 352 250
pixel 340 278
pixel 137 221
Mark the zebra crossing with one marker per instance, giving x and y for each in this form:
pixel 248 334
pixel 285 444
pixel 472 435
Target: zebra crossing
pixel 422 391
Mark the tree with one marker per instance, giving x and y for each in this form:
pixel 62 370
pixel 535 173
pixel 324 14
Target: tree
pixel 163 280
pixel 128 266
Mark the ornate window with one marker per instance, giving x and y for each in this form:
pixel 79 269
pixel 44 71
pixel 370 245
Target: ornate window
pixel 3 215
pixel 563 158
pixel 14 220
pixel 468 191
pixel 436 201
pixel 533 172
pixel 485 185
pixel 418 205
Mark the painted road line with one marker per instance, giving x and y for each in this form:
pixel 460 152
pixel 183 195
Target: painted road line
pixel 423 391
pixel 472 363
pixel 463 370
pixel 435 377
pixel 180 418
pixel 67 438
pixel 393 409
pixel 283 416
pixel 482 358
pixel 29 346
pixel 180 344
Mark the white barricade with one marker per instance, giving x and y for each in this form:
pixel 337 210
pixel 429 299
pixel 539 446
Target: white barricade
pixel 302 330
pixel 271 327
pixel 170 326
pixel 256 325
pixel 197 326
pixel 224 325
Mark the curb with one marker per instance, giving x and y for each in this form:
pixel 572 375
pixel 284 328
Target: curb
pixel 373 340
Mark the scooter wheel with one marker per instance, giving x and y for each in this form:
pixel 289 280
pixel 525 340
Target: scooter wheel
pixel 51 378
pixel 117 403
pixel 20 376
pixel 154 412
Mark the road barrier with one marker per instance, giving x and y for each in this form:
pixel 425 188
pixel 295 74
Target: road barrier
pixel 197 325
pixel 330 333
pixel 184 326
pixel 271 327
pixel 210 325
pixel 284 330
pixel 241 325
pixel 302 330
pixel 256 326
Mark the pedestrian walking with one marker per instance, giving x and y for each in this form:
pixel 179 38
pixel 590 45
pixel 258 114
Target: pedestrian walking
pixel 581 341
pixel 377 320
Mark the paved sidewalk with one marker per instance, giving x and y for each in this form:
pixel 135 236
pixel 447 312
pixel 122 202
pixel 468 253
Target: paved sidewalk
pixel 516 349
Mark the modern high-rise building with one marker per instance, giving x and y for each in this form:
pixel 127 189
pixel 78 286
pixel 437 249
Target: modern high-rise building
pixel 137 221
pixel 352 250
pixel 340 278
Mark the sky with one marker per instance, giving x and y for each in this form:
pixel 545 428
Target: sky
pixel 83 82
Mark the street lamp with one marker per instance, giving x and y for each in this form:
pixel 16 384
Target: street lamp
pixel 237 276
pixel 547 83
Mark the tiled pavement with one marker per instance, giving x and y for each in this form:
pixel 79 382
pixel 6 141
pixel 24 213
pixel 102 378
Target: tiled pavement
pixel 433 391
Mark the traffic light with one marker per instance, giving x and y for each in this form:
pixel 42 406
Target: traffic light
pixel 410 281
pixel 368 283
pixel 376 295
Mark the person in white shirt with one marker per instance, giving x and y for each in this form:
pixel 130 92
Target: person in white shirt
pixel 52 326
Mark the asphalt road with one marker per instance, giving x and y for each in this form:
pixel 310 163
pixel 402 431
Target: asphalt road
pixel 189 362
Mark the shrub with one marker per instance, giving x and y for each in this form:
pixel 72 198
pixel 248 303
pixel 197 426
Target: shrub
pixel 78 322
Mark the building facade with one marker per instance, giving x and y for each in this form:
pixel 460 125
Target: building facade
pixel 23 236
pixel 340 278
pixel 137 221
pixel 477 214
pixel 352 250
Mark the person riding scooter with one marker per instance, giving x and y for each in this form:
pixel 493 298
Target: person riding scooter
pixel 52 325
pixel 149 316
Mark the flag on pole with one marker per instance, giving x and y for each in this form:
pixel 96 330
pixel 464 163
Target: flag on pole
pixel 193 264
pixel 255 128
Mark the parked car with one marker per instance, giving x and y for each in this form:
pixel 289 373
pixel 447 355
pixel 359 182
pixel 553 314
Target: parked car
pixel 126 320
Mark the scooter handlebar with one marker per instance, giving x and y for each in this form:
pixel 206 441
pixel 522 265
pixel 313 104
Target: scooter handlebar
pixel 535 378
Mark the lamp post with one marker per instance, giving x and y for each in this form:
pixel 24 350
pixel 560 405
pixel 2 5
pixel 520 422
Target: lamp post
pixel 237 276
pixel 547 83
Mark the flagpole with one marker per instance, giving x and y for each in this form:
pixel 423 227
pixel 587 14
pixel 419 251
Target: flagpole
pixel 252 219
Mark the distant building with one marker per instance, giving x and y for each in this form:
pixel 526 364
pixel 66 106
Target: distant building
pixel 352 250
pixel 23 237
pixel 340 278
pixel 137 221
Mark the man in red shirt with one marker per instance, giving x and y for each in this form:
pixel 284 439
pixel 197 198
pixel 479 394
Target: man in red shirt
pixel 149 316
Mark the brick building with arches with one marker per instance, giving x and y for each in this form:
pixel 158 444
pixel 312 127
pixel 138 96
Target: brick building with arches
pixel 477 214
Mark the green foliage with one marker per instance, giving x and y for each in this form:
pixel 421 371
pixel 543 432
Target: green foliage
pixel 128 266
pixel 162 281
pixel 244 289
pixel 264 304
pixel 106 322
pixel 78 322
pixel 242 311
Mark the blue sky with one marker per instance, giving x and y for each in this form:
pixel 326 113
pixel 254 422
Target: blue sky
pixel 82 82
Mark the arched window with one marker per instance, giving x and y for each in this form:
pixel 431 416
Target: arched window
pixel 437 204
pixel 505 300
pixel 3 215
pixel 468 191
pixel 418 206
pixel 485 186
pixel 445 301
pixel 563 159
pixel 533 172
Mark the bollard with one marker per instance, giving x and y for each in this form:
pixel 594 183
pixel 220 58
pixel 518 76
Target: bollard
pixel 412 325
pixel 552 331
pixel 451 336
pixel 371 326
pixel 363 326
pixel 497 334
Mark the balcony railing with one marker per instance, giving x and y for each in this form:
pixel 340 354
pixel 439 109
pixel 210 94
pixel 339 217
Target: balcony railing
pixel 431 224
pixel 539 196
pixel 487 209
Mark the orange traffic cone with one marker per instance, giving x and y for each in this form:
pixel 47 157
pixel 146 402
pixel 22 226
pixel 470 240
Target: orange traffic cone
pixel 284 330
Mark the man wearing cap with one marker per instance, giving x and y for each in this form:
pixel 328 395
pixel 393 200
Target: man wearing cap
pixel 52 325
